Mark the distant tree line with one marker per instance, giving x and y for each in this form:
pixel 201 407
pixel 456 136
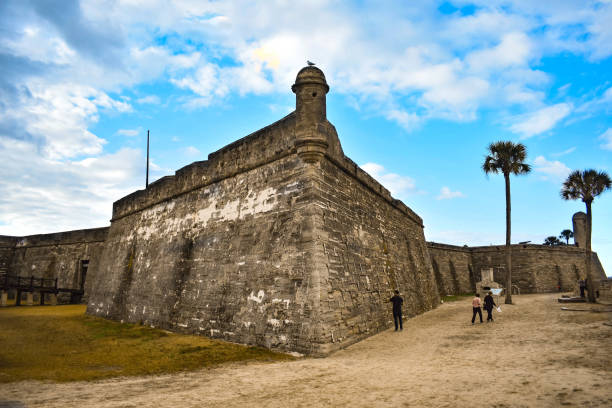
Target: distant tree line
pixel 509 158
pixel 566 234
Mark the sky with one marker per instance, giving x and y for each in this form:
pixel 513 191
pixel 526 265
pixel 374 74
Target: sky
pixel 418 90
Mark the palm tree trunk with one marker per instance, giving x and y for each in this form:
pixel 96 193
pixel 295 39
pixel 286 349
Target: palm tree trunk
pixel 590 282
pixel 508 248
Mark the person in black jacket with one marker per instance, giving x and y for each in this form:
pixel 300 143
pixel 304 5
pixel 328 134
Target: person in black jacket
pixel 582 285
pixel 397 309
pixel 488 306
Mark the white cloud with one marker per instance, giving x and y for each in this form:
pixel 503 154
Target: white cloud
pixel 191 151
pixel 149 99
pixel 607 139
pixel 204 82
pixel 61 71
pixel 607 95
pixel 449 68
pixel 541 121
pixel 551 170
pixel 57 117
pixel 513 50
pixel 447 194
pixel 563 153
pixel 129 132
pixel 42 195
pixel 562 90
pixel 398 185
pixel 406 120
pixel 452 66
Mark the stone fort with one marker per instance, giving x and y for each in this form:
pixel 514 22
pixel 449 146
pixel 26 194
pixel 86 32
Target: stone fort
pixel 278 240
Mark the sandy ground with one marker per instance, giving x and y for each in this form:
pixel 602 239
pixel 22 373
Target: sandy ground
pixel 533 355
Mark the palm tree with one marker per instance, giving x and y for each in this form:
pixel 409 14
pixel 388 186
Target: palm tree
pixel 552 241
pixel 567 234
pixel 586 185
pixel 507 158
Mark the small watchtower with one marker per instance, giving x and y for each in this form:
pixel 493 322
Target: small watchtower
pixel 310 90
pixel 579 221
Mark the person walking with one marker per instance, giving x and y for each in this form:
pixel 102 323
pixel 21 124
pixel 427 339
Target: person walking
pixel 397 309
pixel 476 303
pixel 488 306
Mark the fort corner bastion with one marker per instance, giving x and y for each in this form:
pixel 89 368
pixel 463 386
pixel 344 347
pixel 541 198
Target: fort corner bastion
pixel 277 240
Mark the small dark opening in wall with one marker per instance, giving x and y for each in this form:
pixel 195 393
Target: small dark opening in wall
pixel 314 94
pixel 84 267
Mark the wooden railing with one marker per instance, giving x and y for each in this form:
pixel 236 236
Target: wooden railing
pixel 29 283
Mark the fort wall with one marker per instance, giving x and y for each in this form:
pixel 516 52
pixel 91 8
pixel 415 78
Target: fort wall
pixel 535 268
pixel 226 260
pixel 453 268
pixel 367 246
pixel 7 250
pixel 66 256
pixel 276 240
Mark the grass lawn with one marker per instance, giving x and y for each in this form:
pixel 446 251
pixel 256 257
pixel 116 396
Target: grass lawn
pixel 61 343
pixel 454 298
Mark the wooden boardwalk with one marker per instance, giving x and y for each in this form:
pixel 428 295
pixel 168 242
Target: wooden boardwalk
pixel 32 284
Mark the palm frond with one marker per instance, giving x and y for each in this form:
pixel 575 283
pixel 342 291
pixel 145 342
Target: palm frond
pixel 585 185
pixel 506 157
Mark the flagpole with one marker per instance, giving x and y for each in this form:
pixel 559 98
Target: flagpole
pixel 147 182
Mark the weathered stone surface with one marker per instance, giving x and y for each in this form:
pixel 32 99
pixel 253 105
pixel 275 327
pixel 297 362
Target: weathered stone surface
pixel 367 246
pixel 605 290
pixel 276 240
pixel 59 255
pixel 538 268
pixel 7 250
pixel 453 268
pixel 535 268
pixel 579 221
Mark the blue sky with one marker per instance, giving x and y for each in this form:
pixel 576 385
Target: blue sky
pixel 417 93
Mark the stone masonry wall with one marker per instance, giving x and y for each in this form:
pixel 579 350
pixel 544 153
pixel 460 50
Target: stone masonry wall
pixel 537 268
pixel 241 258
pixel 276 240
pixel 58 255
pixel 7 250
pixel 225 260
pixel 271 143
pixel 453 269
pixel 367 247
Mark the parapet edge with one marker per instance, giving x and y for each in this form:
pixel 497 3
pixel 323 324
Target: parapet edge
pixel 61 238
pixel 501 247
pixel 363 177
pixel 221 164
pixel 448 247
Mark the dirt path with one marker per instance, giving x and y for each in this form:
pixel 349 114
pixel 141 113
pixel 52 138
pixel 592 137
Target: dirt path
pixel 534 355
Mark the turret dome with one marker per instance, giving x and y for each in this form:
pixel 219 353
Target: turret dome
pixel 310 75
